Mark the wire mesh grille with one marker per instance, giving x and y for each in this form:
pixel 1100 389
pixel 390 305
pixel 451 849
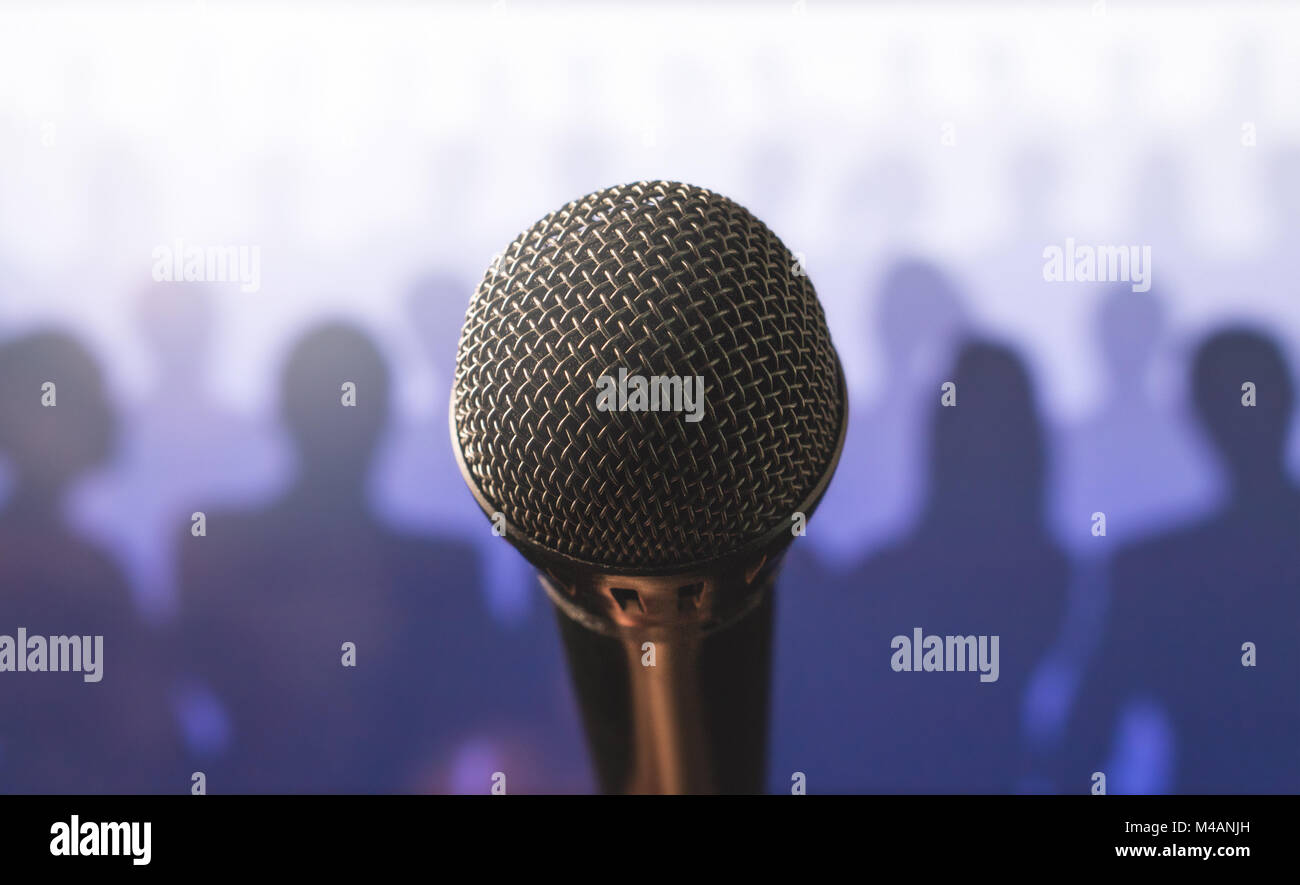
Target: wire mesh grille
pixel 661 280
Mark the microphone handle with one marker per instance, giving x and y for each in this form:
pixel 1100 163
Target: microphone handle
pixel 695 721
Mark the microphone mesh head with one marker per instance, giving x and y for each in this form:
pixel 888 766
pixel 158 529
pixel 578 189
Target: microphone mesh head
pixel 658 279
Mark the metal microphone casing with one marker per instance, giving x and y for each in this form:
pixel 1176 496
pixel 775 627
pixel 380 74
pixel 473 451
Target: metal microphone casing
pixel 658 541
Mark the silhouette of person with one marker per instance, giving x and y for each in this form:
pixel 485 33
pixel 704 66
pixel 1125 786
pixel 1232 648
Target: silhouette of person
pixel 1202 619
pixel 60 733
pixel 421 485
pixel 420 488
pixel 979 563
pixel 347 655
pixel 878 482
pixel 1132 459
pixel 177 446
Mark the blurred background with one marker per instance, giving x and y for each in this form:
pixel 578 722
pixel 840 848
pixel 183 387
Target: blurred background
pixel 373 158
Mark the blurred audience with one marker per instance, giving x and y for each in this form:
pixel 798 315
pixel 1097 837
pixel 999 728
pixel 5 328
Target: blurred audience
pixel 177 445
pixel 978 563
pixel 1202 621
pixel 338 646
pixel 874 498
pixel 346 620
pixel 1135 458
pixel 60 733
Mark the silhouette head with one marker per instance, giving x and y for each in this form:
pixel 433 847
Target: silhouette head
pixel 987 457
pixel 334 438
pixel 920 314
pixel 1129 325
pixel 52 433
pixel 1251 440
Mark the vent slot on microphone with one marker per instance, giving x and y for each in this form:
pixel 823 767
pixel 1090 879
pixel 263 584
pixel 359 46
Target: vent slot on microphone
pixel 627 599
pixel 689 596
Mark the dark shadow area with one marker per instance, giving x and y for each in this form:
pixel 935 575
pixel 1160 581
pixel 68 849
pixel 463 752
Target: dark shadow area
pixel 1185 604
pixel 878 483
pixel 58 732
pixel 978 563
pixel 178 444
pixel 270 597
pixel 1134 459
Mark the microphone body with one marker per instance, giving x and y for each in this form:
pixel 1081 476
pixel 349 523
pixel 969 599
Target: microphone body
pixel 656 534
pixel 694 722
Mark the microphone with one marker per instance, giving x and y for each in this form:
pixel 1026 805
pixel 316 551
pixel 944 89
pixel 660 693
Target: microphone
pixel 648 405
